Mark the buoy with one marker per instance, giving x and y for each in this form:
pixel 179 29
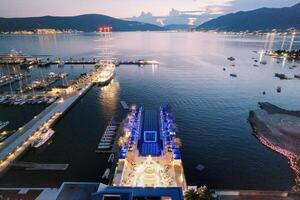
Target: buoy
pixel 278 89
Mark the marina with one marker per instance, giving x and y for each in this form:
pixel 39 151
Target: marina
pixel 32 132
pixel 43 83
pixel 27 99
pixel 10 79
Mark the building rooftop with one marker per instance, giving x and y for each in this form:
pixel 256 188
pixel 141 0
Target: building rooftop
pixel 137 193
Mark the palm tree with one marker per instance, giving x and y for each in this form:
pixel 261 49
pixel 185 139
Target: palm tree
pixel 191 194
pixel 202 193
pixel 122 140
pixel 296 187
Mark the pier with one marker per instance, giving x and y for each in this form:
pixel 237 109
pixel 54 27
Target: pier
pixel 138 62
pixel 109 138
pixel 124 105
pixel 40 166
pixel 10 79
pixel 22 139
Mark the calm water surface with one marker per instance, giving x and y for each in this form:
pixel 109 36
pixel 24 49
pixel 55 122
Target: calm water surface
pixel 211 108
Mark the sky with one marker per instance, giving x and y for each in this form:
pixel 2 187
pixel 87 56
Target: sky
pixel 130 8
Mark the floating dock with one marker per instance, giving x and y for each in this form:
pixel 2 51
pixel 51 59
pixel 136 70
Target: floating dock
pixel 138 62
pixel 40 166
pixel 124 105
pixel 108 139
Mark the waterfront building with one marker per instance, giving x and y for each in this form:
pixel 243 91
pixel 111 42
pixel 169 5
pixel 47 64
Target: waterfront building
pixel 149 155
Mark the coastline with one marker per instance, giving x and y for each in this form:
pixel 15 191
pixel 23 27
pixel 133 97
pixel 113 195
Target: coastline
pixel 278 133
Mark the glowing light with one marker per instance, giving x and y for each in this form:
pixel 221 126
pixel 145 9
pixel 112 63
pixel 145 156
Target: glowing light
pixel 61 100
pixel 192 21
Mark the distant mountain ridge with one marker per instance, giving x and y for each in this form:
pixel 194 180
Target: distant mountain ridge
pixel 179 27
pixel 87 23
pixel 263 19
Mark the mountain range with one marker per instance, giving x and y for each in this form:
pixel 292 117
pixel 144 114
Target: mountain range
pixel 87 23
pixel 263 19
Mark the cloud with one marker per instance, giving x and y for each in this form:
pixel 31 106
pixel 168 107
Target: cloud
pixel 216 9
pixel 161 21
pixel 215 6
pixel 192 20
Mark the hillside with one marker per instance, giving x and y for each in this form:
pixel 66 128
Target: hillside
pixel 87 23
pixel 263 19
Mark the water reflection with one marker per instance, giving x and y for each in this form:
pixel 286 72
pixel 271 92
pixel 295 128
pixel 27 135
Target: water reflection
pixel 292 41
pixel 109 97
pixel 283 41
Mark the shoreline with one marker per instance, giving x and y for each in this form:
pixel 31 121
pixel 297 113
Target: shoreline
pixel 274 135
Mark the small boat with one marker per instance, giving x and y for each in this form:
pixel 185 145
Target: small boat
pixel 231 58
pixel 2 99
pixel 263 62
pixel 44 136
pixel 22 102
pixel 281 76
pixel 106 174
pixel 3 124
pixel 233 75
pixel 297 76
pixel 278 89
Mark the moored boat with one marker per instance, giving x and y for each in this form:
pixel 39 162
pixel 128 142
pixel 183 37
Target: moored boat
pixel 44 136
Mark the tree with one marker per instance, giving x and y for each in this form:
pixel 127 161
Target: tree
pixel 297 179
pixel 296 187
pixel 202 193
pixel 122 140
pixel 191 195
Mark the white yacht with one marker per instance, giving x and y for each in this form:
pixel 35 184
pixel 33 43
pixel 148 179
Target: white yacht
pixel 44 136
pixel 3 124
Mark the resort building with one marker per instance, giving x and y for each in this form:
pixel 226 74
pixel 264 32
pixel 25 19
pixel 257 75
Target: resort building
pixel 149 154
